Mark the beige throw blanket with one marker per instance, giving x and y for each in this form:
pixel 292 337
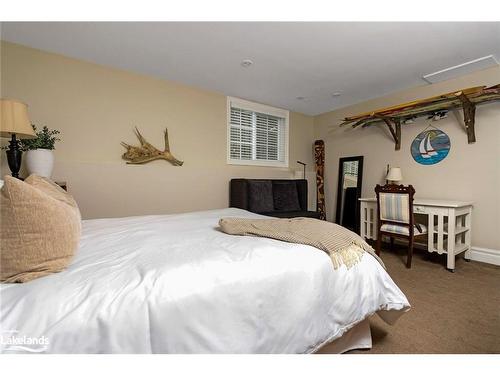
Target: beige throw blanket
pixel 342 245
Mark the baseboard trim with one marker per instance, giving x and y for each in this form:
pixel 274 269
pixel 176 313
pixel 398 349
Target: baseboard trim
pixel 477 254
pixel 481 254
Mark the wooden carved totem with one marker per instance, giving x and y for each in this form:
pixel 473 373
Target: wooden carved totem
pixel 319 155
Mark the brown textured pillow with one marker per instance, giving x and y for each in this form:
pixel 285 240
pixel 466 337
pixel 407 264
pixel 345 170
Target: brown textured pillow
pixel 40 229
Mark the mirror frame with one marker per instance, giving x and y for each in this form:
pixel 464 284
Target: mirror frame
pixel 359 159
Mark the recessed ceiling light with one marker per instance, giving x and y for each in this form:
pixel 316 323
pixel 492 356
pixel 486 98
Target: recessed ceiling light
pixel 246 63
pixel 335 94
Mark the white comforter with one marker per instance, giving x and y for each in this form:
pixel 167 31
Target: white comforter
pixel 175 284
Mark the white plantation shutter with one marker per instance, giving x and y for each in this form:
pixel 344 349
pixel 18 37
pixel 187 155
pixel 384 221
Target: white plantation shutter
pixel 258 135
pixel 351 167
pixel 241 134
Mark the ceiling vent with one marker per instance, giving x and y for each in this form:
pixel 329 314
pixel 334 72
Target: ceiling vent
pixel 459 70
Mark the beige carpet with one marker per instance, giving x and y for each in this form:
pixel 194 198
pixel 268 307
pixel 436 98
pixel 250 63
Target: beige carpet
pixel 451 312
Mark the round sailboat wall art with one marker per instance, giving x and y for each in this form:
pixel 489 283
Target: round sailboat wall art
pixel 430 147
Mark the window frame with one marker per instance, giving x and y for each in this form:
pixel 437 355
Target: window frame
pixel 267 110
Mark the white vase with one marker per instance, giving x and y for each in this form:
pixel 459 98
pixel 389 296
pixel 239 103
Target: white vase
pixel 40 162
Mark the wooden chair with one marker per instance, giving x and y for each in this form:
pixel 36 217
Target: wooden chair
pixel 395 216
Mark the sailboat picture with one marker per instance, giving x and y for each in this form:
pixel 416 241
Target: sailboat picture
pixel 426 150
pixel 430 147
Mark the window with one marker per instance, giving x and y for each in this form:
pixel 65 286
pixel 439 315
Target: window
pixel 351 168
pixel 257 134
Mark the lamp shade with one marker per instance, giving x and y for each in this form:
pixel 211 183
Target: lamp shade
pixel 14 119
pixel 394 174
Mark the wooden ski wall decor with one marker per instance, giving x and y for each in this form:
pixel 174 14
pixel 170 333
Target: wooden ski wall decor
pixel 319 155
pixel 395 116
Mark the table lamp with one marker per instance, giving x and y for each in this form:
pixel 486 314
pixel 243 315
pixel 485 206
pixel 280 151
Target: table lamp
pixel 394 175
pixel 14 121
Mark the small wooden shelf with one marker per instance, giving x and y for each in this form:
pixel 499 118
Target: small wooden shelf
pixel 393 117
pixel 459 229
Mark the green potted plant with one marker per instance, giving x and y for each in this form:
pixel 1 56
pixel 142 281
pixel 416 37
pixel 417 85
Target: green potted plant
pixel 39 151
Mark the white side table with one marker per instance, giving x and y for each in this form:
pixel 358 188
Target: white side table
pixel 449 225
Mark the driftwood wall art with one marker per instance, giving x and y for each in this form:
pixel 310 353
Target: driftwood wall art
pixel 146 152
pixel 393 117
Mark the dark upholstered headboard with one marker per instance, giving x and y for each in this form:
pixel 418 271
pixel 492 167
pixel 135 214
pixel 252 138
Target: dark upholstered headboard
pixel 241 192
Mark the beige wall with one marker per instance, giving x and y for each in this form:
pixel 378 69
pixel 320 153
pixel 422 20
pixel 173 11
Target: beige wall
pixel 470 172
pixel 96 107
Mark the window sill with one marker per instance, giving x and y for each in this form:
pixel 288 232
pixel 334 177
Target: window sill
pixel 257 163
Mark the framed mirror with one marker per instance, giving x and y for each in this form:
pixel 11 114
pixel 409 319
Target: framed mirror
pixel 349 192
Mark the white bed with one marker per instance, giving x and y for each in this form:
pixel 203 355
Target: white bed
pixel 175 284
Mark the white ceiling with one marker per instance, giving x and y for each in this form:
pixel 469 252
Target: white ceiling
pixel 299 59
